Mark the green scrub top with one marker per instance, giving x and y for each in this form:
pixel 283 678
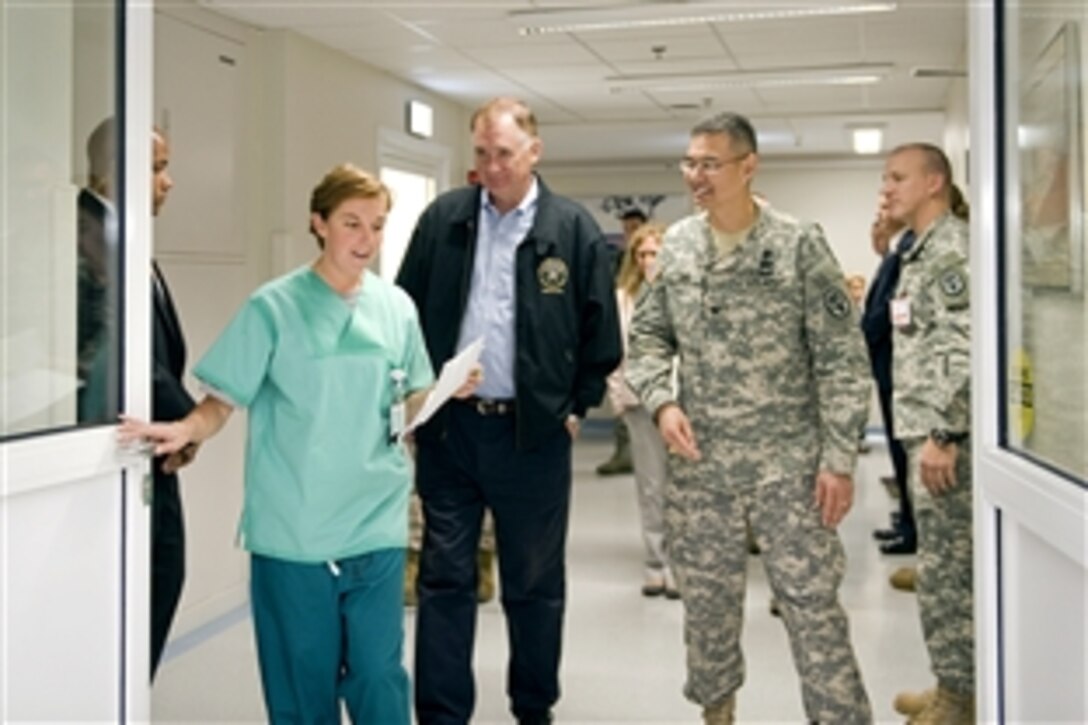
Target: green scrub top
pixel 315 371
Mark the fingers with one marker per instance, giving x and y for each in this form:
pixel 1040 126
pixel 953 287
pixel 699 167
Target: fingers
pixel 573 426
pixel 938 478
pixel 172 463
pixel 677 433
pixel 834 496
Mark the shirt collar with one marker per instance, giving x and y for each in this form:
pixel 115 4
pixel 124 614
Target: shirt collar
pixel 526 205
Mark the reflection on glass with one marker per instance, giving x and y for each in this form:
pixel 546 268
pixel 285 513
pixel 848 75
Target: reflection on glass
pixel 1047 311
pixel 97 268
pixel 59 276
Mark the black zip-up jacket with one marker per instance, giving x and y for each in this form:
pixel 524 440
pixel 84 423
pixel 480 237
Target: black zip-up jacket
pixel 567 339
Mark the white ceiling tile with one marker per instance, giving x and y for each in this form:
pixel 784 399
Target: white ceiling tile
pixel 469 50
pixel 553 54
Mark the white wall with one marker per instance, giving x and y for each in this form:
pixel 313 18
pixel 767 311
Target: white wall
pixel 331 109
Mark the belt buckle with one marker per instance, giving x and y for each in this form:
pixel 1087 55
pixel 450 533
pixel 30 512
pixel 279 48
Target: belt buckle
pixel 482 407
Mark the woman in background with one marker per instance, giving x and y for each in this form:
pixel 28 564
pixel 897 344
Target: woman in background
pixel 647 448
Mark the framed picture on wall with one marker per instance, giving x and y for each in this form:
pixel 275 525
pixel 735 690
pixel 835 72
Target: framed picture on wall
pixel 1052 167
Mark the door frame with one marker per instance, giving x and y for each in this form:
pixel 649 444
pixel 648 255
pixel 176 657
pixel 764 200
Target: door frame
pixel 1014 496
pixel 40 464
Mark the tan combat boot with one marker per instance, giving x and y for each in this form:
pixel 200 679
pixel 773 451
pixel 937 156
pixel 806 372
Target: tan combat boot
pixel 720 714
pixel 485 565
pixel 411 574
pixel 912 703
pixel 947 708
pixel 904 578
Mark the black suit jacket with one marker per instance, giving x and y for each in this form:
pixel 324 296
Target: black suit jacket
pixel 169 398
pixel 876 321
pixel 169 401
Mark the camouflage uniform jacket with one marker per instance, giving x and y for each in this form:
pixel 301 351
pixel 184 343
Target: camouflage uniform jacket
pixel 931 367
pixel 773 370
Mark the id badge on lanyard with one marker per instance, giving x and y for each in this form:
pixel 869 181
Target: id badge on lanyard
pixel 398 412
pixel 900 312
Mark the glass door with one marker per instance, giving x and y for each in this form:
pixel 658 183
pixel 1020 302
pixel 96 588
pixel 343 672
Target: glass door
pixel 1030 358
pixel 74 218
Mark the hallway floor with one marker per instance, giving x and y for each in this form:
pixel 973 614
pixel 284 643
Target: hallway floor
pixel 623 659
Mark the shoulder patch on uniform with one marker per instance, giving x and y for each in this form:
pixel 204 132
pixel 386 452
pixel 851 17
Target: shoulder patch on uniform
pixel 952 282
pixel 836 302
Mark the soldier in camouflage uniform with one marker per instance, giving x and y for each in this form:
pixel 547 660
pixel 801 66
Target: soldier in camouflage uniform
pixel 931 321
pixel 774 385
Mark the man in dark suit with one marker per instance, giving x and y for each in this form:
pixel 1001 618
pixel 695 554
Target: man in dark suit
pixel 170 401
pixel 901 537
pixel 98 349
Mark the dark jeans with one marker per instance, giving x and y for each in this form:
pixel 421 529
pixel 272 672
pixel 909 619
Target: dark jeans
pixel 472 466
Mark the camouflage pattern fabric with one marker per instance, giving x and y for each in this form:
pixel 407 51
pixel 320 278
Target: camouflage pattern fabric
pixel 931 363
pixel 932 375
pixel 774 378
pixel 945 572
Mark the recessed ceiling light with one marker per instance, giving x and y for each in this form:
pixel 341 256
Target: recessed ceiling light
pixel 868 140
pixel 584 19
pixel 853 74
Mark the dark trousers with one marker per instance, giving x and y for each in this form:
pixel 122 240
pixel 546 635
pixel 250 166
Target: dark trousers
pixel 472 466
pixel 167 560
pixel 899 464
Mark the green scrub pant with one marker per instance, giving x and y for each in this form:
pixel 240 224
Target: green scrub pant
pixel 331 631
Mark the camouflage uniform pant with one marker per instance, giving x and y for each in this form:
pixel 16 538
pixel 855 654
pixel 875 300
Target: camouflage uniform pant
pixel 415 527
pixel 706 539
pixel 945 561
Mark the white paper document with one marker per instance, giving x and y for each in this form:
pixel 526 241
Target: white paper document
pixel 453 376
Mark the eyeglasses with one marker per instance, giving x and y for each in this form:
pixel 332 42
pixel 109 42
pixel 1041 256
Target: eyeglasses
pixel 708 165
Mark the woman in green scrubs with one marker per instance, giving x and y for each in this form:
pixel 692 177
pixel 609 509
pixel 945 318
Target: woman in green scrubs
pixel 326 359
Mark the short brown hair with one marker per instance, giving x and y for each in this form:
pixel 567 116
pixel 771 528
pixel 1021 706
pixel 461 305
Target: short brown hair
pixel 933 160
pixel 519 110
pixel 343 182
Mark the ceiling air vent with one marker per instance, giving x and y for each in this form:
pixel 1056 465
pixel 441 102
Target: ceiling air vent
pixel 924 72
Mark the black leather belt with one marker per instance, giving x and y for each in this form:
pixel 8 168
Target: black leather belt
pixel 490 406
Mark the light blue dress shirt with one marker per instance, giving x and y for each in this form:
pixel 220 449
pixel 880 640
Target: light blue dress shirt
pixel 490 312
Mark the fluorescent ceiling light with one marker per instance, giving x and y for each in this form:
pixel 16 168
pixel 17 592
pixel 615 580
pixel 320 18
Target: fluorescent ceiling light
pixel 868 139
pixel 585 19
pixel 855 74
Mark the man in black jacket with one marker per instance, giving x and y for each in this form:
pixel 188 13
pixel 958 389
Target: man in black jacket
pixel 901 537
pixel 529 272
pixel 169 401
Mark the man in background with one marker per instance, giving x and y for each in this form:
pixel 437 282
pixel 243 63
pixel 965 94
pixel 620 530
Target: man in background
pixel 931 375
pixel 169 401
pixel 900 537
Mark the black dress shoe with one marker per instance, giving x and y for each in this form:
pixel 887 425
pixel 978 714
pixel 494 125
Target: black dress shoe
pixel 901 545
pixel 887 534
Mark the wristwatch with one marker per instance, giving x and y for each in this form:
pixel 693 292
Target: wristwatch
pixel 942 437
